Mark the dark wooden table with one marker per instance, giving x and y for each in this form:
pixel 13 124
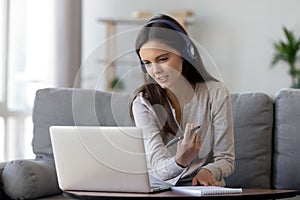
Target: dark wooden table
pixel 246 194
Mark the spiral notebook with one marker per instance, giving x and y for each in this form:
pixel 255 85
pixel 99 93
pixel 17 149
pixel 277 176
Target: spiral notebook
pixel 207 190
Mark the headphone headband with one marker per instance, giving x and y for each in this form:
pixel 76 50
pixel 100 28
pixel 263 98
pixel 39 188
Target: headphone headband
pixel 168 22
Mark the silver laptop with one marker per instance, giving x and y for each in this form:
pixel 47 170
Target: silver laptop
pixel 107 159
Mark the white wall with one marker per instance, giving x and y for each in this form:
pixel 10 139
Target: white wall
pixel 238 35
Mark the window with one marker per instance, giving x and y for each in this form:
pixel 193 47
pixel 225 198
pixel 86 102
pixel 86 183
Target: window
pixel 3 7
pixel 2 144
pixel 26 55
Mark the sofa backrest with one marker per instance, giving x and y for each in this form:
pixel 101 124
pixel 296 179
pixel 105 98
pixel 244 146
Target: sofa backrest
pixel 66 106
pixel 253 123
pixel 286 163
pixel 253 114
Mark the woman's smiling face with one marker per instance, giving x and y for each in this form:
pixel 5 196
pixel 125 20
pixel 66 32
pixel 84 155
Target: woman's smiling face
pixel 163 63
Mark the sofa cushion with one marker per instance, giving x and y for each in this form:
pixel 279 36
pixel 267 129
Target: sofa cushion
pixel 287 140
pixel 253 121
pixel 29 179
pixel 64 106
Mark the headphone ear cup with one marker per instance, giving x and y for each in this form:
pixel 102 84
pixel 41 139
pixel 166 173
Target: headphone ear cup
pixel 190 51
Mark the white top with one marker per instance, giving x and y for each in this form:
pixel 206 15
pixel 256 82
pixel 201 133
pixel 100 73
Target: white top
pixel 210 108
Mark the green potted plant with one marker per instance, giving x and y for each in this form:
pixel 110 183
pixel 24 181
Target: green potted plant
pixel 116 84
pixel 287 51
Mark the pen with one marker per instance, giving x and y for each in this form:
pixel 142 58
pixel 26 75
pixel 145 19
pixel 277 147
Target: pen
pixel 177 139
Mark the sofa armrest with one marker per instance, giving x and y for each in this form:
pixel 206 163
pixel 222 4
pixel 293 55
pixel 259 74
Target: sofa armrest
pixel 29 179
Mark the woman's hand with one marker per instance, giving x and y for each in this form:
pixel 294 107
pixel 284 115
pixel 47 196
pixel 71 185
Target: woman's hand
pixel 206 178
pixel 188 148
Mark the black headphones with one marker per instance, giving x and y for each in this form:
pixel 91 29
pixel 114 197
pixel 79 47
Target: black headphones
pixel 188 51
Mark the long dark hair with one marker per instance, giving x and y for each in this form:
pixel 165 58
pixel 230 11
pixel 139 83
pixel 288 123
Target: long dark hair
pixel 167 30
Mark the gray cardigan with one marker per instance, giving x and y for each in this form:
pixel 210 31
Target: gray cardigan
pixel 210 108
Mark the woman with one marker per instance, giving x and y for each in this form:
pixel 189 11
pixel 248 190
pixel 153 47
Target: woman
pixel 179 94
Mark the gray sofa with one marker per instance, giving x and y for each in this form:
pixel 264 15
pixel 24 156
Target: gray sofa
pixel 267 138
